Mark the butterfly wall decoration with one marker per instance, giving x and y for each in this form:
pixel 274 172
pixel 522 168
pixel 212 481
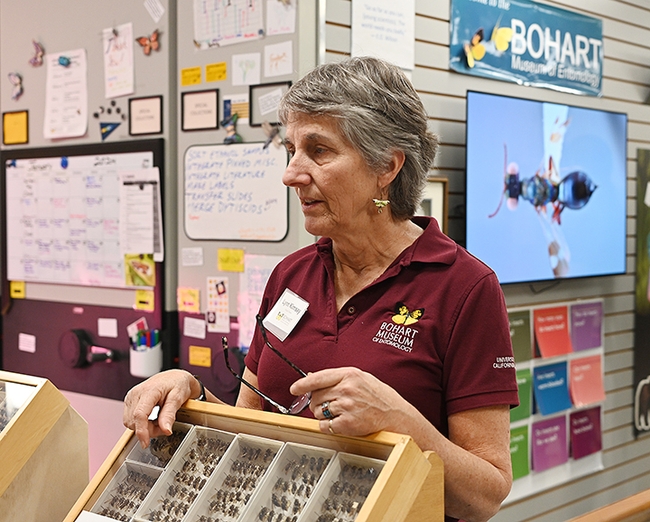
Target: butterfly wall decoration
pixel 39 52
pixel 149 43
pixel 17 82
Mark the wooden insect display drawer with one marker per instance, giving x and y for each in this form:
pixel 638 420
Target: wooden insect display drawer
pixel 237 465
pixel 43 443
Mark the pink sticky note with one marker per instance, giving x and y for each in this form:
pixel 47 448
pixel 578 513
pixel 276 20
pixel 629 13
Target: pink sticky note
pixel 586 380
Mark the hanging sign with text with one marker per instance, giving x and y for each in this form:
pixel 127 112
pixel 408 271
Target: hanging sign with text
pixel 527 43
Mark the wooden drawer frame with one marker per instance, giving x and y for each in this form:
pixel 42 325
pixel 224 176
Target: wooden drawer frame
pixel 409 487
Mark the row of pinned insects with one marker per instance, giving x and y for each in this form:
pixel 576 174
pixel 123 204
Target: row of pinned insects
pixel 201 474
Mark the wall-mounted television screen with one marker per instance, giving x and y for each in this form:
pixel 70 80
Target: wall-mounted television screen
pixel 545 188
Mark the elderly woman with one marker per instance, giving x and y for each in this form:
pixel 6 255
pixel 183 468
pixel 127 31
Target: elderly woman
pixel 403 328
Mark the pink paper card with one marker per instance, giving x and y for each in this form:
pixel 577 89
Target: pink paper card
pixel 586 435
pixel 549 444
pixel 552 331
pixel 587 325
pixel 586 380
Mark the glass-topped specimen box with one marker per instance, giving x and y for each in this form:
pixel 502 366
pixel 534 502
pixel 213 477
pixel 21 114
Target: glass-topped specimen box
pixel 276 466
pixel 43 450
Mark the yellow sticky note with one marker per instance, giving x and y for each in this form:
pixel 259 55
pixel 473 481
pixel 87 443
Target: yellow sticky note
pixel 200 356
pixel 15 128
pixel 144 300
pixel 216 72
pixel 17 289
pixel 188 300
pixel 190 76
pixel 230 260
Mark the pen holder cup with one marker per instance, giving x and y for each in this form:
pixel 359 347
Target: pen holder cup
pixel 147 362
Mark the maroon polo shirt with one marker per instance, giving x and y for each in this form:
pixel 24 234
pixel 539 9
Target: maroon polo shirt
pixel 434 327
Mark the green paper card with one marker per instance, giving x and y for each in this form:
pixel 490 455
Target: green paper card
pixel 525 383
pixel 522 344
pixel 519 452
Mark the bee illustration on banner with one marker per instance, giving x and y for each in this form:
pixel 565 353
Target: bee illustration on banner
pixel 474 49
pixel 39 52
pixel 501 37
pixel 17 82
pixel 149 43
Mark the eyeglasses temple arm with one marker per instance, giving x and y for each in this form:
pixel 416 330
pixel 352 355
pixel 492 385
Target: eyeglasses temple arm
pixel 281 409
pixel 275 350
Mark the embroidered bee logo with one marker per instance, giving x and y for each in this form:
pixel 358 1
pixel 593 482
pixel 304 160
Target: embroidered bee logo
pixel 405 316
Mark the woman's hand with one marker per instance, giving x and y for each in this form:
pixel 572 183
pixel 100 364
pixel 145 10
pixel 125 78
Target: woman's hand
pixel 358 402
pixel 169 390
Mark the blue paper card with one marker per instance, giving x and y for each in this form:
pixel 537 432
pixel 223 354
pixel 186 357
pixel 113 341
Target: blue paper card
pixel 551 387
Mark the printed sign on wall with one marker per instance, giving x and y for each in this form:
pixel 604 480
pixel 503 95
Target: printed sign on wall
pixel 527 43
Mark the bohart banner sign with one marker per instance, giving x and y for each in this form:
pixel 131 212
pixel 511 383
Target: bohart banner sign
pixel 528 43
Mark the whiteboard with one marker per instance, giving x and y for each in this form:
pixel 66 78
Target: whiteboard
pixel 63 218
pixel 235 192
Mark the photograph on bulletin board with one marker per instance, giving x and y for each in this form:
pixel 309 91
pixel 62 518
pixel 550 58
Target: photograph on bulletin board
pixel 200 110
pixel 264 100
pixel 145 115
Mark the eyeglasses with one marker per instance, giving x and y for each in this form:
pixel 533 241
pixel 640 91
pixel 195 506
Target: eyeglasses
pixel 299 404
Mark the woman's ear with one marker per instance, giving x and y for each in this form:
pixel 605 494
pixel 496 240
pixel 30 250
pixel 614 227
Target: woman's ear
pixel 392 169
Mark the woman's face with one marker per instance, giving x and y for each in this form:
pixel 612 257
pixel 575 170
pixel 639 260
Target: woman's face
pixel 332 180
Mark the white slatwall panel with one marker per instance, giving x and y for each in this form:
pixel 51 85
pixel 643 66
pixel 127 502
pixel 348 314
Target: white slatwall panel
pixel 626 86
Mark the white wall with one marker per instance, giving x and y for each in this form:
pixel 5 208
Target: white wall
pixel 626 85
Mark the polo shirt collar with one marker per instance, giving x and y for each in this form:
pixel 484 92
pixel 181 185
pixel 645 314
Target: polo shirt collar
pixel 431 247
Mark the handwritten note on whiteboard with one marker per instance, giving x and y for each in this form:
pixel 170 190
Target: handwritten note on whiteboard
pixel 235 192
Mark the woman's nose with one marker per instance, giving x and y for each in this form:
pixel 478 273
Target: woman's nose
pixel 296 173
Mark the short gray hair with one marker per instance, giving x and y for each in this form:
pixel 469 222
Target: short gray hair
pixel 378 111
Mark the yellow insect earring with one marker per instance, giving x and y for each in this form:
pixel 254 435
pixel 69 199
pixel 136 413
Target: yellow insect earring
pixel 380 204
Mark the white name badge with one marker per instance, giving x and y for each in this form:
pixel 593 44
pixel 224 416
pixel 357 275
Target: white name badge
pixel 285 314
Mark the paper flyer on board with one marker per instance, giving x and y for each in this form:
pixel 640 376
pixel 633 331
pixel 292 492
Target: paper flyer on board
pixel 549 443
pixel 552 331
pixel 520 335
pixel 587 325
pixel 118 60
pixel 66 95
pixel 552 388
pixel 586 383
